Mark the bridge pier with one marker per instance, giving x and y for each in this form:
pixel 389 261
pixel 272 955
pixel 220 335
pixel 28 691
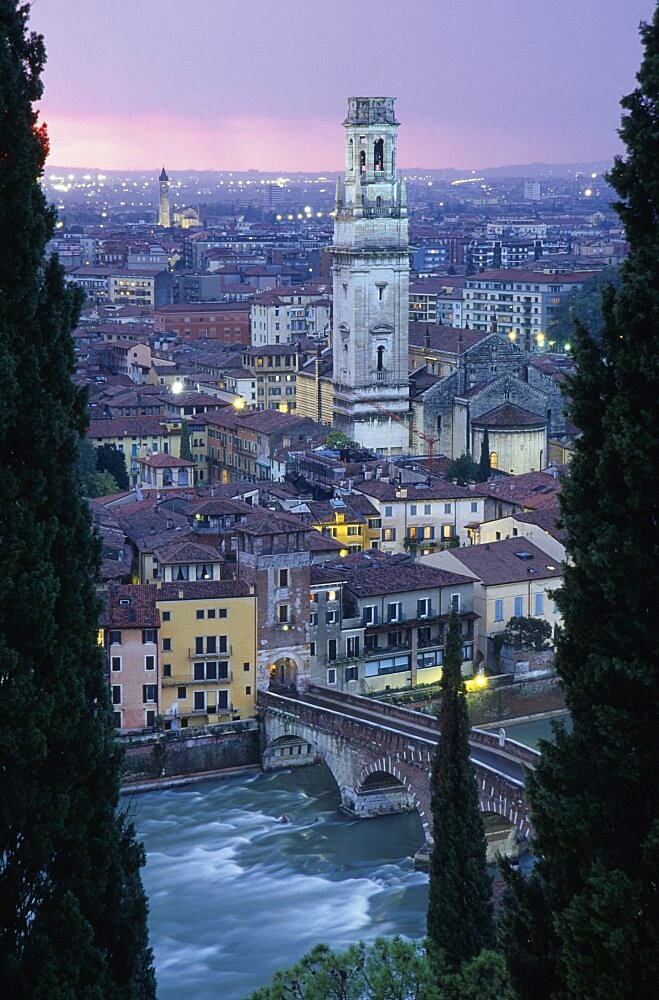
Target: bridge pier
pixel 382 800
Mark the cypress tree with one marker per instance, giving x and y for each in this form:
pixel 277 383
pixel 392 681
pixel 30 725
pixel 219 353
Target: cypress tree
pixel 484 468
pixel 185 449
pixel 459 919
pixel 587 924
pixel 72 907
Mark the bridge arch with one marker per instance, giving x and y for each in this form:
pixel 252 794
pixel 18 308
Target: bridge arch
pixel 397 769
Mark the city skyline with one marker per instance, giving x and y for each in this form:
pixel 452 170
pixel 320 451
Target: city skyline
pixel 240 86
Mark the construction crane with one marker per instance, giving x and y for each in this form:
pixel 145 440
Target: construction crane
pixel 428 438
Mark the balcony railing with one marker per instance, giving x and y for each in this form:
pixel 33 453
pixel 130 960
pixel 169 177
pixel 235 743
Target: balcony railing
pixel 194 654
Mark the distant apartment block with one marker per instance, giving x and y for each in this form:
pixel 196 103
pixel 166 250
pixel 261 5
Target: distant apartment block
pixel 225 322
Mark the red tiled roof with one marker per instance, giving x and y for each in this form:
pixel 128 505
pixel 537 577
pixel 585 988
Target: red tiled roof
pixel 203 590
pixel 160 461
pixel 496 562
pixel 509 415
pixel 139 612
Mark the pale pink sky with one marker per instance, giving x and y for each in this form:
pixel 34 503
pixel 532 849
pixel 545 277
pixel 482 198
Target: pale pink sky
pixel 238 84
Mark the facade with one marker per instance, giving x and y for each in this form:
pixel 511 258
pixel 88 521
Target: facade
pixel 208 650
pixel 242 444
pixel 225 322
pixel 281 317
pixel 146 289
pixel 136 437
pixel 521 305
pixel 370 271
pixel 165 472
pixel 512 577
pixel 130 627
pixel 274 559
pixel 393 622
pixel 423 517
pixel 164 207
pixel 314 389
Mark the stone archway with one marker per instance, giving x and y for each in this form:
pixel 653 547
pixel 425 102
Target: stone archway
pixel 283 673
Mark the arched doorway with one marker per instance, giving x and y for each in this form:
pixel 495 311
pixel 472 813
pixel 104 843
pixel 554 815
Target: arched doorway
pixel 283 673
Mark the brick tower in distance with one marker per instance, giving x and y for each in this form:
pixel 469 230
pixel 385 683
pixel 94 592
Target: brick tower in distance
pixel 164 211
pixel 274 558
pixel 370 268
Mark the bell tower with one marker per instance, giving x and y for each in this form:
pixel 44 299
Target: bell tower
pixel 164 213
pixel 370 272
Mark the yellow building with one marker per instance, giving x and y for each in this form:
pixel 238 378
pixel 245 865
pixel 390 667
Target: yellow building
pixel 137 437
pixel 314 391
pixel 351 520
pixel 208 652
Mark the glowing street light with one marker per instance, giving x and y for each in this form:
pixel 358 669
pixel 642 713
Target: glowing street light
pixel 177 387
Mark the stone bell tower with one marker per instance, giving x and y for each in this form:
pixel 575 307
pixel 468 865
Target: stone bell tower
pixel 371 270
pixel 164 213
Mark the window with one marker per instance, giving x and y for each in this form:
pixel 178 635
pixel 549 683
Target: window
pixel 148 693
pixel 352 645
pixel 448 508
pixel 222 613
pixel 539 603
pixel 166 616
pixel 116 718
pixel 423 607
pixel 182 693
pixel 116 694
pixel 116 663
pixel 167 670
pixel 474 506
pixel 312 649
pixel 394 611
pixel 313 618
pixel 200 613
pixel 246 666
pixel 331 675
pixel 222 700
pixel 199 701
pixel 115 637
pixel 282 614
pixel 283 578
pixel 150 718
pixel 167 645
pixel 468 651
pixel 388 511
pixel 331 649
pixel 331 617
pixel 413 509
pixel 199 643
pixel 352 673
pixel 519 607
pixel 498 610
pixel 148 635
pixel 455 602
pixel 427 508
pixel 210 613
pixel 149 663
pixel 370 614
pixel 388 534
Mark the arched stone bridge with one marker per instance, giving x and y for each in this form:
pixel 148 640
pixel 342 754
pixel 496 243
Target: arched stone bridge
pixel 381 755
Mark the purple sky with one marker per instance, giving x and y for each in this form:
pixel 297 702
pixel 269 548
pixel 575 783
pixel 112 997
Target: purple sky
pixel 234 84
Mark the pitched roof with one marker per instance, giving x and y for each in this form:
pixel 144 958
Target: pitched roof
pixel 547 518
pixel 160 461
pixel 509 561
pixel 437 489
pixel 186 551
pixel 509 415
pixel 396 577
pixel 203 590
pixel 131 605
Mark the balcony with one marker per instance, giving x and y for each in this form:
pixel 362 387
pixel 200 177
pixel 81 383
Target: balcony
pixel 194 654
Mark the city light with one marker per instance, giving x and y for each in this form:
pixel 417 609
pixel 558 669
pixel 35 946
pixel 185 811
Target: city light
pixel 177 387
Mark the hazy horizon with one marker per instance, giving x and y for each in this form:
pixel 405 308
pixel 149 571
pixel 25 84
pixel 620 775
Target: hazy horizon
pixel 250 84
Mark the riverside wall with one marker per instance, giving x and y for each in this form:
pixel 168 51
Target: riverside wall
pixel 191 751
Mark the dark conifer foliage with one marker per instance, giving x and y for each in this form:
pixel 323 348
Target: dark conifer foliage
pixel 72 907
pixel 459 922
pixel 587 925
pixel 484 467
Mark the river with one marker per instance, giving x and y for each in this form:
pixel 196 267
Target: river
pixel 235 894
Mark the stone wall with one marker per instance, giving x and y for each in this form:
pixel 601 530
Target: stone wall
pixel 515 701
pixel 188 752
